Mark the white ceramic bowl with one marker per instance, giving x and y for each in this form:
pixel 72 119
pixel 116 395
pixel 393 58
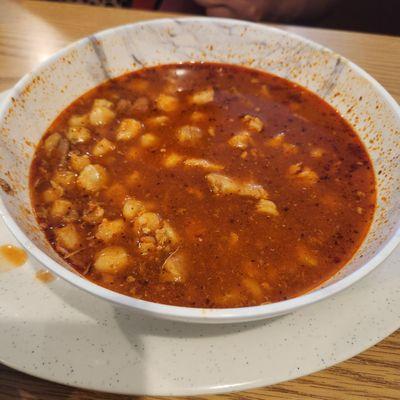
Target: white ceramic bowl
pixel 40 96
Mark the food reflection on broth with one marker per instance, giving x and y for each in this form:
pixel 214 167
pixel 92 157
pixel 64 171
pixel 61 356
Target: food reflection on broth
pixel 203 185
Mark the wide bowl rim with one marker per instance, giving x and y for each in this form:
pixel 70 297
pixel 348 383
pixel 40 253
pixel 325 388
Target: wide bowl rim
pixel 190 314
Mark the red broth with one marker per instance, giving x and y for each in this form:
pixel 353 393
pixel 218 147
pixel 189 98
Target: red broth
pixel 203 185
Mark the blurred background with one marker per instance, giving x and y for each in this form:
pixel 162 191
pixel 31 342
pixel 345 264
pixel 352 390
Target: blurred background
pixel 374 16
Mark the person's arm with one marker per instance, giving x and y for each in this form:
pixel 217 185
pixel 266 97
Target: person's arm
pixel 271 10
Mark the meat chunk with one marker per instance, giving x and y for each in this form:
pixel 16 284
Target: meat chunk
pixel 303 173
pixel 223 185
pixel 93 214
pixel 123 106
pixel 147 244
pixel 240 140
pixel 162 239
pixel 267 207
pixel 289 148
pixel 253 123
pixel 154 234
pixel 202 163
pixel 140 105
pixel 251 189
pixel 279 142
pixel 276 141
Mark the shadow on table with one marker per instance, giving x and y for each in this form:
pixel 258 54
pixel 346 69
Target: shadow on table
pixel 100 313
pixel 16 385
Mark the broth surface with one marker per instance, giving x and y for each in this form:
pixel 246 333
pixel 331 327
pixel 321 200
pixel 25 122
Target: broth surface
pixel 203 185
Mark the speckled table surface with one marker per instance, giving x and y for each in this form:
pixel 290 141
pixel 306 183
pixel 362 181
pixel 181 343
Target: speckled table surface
pixel 30 31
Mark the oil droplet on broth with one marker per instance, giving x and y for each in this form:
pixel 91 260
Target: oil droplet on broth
pixel 45 276
pixel 11 257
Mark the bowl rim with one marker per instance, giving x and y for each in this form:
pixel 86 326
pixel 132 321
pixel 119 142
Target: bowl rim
pixel 191 314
